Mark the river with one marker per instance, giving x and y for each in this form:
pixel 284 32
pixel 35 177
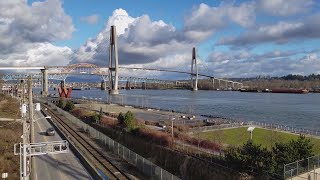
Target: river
pixel 298 110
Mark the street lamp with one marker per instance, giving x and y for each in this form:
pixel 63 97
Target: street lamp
pixel 250 129
pixel 172 119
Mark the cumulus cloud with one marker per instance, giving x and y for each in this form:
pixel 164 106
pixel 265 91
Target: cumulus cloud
pixel 285 7
pixel 281 32
pixel 92 19
pixel 205 20
pixel 274 63
pixel 27 30
pixel 37 54
pixel 140 41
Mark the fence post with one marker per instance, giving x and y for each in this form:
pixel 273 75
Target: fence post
pixel 142 164
pixel 160 173
pixel 136 158
pixel 308 163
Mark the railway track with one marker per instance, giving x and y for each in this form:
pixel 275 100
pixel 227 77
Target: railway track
pixel 95 156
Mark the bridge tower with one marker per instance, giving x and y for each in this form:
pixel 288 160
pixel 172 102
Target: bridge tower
pixel 194 71
pixel 113 61
pixel 44 82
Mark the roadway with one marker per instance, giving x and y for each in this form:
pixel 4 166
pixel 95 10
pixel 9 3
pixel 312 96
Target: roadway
pixel 58 166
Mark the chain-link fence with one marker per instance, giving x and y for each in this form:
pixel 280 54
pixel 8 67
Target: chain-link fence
pixel 272 126
pixel 281 127
pixel 301 166
pixel 143 164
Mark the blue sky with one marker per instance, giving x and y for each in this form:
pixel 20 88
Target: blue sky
pixel 233 38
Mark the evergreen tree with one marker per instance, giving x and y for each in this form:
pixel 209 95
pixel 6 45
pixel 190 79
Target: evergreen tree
pixel 121 118
pixel 129 120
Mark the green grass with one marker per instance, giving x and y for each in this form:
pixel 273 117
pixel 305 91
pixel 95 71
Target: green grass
pixel 267 138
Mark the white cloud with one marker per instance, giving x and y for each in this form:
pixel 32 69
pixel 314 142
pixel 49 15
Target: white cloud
pixel 92 19
pixel 205 20
pixel 274 63
pixel 37 54
pixel 285 7
pixel 140 41
pixel 281 32
pixel 27 30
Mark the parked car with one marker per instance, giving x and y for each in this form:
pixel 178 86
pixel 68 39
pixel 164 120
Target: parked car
pixel 50 132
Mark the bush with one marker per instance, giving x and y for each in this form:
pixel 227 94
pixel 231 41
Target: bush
pixel 61 103
pixel 94 118
pixel 129 120
pixel 69 106
pixel 121 118
pixel 154 136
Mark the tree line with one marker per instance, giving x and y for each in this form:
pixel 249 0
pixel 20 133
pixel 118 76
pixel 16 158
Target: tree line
pixel 253 159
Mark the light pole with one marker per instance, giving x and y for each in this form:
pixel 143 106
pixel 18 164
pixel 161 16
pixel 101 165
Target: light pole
pixel 250 129
pixel 172 119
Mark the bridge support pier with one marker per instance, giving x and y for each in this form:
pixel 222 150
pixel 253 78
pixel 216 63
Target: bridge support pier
pixel 103 85
pixel 113 61
pixel 128 85
pixel 144 85
pixel 212 79
pixel 44 82
pixel 194 71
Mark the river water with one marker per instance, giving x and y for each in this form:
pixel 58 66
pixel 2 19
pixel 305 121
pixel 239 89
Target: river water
pixel 298 110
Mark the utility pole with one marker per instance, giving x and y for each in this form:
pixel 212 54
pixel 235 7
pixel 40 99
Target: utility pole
pixel 31 110
pixel 31 117
pixel 23 157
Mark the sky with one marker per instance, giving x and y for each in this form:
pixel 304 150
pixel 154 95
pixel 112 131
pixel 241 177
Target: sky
pixel 238 38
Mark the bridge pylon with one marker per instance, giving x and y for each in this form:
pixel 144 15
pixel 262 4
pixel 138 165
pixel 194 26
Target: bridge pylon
pixel 44 82
pixel 194 71
pixel 113 61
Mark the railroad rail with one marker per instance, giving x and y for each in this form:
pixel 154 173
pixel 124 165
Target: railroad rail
pixel 96 157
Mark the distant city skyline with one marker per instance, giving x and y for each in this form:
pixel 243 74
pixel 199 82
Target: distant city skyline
pixel 240 38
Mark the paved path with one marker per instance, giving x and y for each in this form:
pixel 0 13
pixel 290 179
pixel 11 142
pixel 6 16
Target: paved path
pixel 144 114
pixel 312 175
pixel 58 166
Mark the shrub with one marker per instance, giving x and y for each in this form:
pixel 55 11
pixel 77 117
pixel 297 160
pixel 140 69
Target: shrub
pixel 61 103
pixel 94 118
pixel 129 120
pixel 69 106
pixel 121 118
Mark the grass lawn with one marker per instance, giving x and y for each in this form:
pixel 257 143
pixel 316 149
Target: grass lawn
pixel 267 138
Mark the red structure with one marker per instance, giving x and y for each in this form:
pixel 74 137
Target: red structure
pixel 63 91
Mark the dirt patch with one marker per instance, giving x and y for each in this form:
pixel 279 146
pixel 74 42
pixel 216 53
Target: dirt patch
pixel 9 107
pixel 9 135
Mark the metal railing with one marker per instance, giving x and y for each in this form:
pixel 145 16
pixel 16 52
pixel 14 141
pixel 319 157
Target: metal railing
pixel 143 164
pixel 302 166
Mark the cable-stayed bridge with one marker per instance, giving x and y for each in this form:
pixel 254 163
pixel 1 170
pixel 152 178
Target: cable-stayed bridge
pixel 113 73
